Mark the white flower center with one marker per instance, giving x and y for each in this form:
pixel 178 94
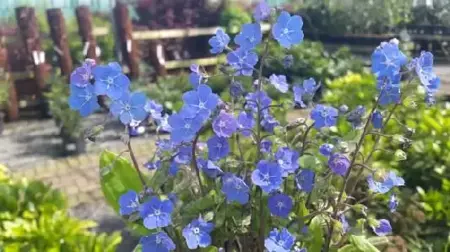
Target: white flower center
pixel 221 124
pixel 88 96
pixel 219 145
pixel 157 212
pixel 187 126
pixel 280 204
pixel 266 177
pixel 85 77
pixel 285 31
pixel 110 80
pixel 196 230
pixel 201 105
pixel 127 107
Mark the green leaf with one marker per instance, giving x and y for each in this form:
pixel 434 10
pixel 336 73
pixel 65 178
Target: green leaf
pixel 378 241
pixel 316 231
pixel 308 162
pixel 209 249
pixel 362 243
pixel 351 136
pixel 348 248
pixel 117 177
pixel 198 206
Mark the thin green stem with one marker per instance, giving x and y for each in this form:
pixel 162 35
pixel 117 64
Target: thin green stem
pixel 194 163
pixel 136 165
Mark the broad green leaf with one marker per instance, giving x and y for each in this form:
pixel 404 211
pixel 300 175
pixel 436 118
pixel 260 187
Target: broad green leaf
pixel 378 241
pixel 308 162
pixel 316 231
pixel 351 136
pixel 349 248
pixel 197 206
pixel 117 177
pixel 362 243
pixel 209 249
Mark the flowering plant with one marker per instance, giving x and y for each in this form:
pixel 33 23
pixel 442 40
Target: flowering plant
pixel 231 177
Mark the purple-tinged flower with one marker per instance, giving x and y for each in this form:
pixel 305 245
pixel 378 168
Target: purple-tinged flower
pixel 173 197
pixel 288 61
pixel 219 41
pixel 262 11
pixel 184 154
pixel 242 61
pixel 324 116
pixel 83 100
pixel 288 30
pixel 377 120
pixel 156 213
pixel 82 76
pixel 218 147
pixel 382 227
pixel 305 180
pixel 164 145
pixel 280 205
pixel 163 124
pixel 424 70
pixel 305 93
pixel 184 128
pixel 236 89
pixel 235 189
pixel 266 146
pixel 154 109
pixel 246 123
pixel 200 102
pixel 343 109
pixel 393 203
pixel 298 249
pixel 128 203
pixel 259 97
pixel 129 107
pixel 287 159
pixel 209 168
pixel 267 175
pixel 196 76
pixel 387 182
pixel 344 222
pixel 279 241
pixel 173 169
pixel 197 233
pixel 279 82
pixel 269 122
pixel 110 81
pixel 387 59
pixel 326 149
pixel 430 99
pixel 225 124
pixel 339 164
pixel 355 117
pixel 389 89
pixel 159 242
pixel 153 165
pixel 249 37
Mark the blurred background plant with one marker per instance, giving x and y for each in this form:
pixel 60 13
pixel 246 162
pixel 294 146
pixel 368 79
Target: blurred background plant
pixel 34 217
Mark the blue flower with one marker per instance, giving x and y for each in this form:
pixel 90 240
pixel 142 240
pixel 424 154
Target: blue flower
pixel 159 242
pixel 249 37
pixel 382 227
pixel 288 61
pixel 339 164
pixel 279 241
pixel 195 77
pixel 83 100
pixel 287 159
pixel 219 42
pixel 389 90
pixel 153 165
pixel 267 175
pixel 355 117
pixel 154 109
pixel 326 149
pixel 246 123
pixel 156 213
pixel 82 76
pixel 218 147
pixel 225 124
pixel 173 169
pixel 377 120
pixel 324 116
pixel 110 81
pixel 288 30
pixel 262 11
pixel 305 180
pixel 197 233
pixel 424 70
pixel 266 146
pixel 259 97
pixel 344 222
pixel 279 82
pixel 184 128
pixel 200 102
pixel 129 107
pixel 128 203
pixel 236 89
pixel 163 124
pixel 280 205
pixel 209 168
pixel 387 59
pixel 393 203
pixel 306 92
pixel 387 182
pixel 269 122
pixel 184 154
pixel 235 189
pixel 242 61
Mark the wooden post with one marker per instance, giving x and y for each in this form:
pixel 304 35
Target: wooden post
pixel 12 108
pixel 84 18
pixel 128 47
pixel 27 24
pixel 59 36
pixel 157 58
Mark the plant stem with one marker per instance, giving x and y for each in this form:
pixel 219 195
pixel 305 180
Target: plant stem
pixel 194 162
pixel 136 165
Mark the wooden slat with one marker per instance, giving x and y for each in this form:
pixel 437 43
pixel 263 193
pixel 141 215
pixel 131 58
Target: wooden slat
pixel 181 33
pixel 211 61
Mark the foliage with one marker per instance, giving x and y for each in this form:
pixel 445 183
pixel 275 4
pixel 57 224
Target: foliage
pixel 34 217
pixel 233 17
pixel 4 92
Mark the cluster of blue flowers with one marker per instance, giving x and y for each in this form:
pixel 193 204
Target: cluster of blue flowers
pixel 203 109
